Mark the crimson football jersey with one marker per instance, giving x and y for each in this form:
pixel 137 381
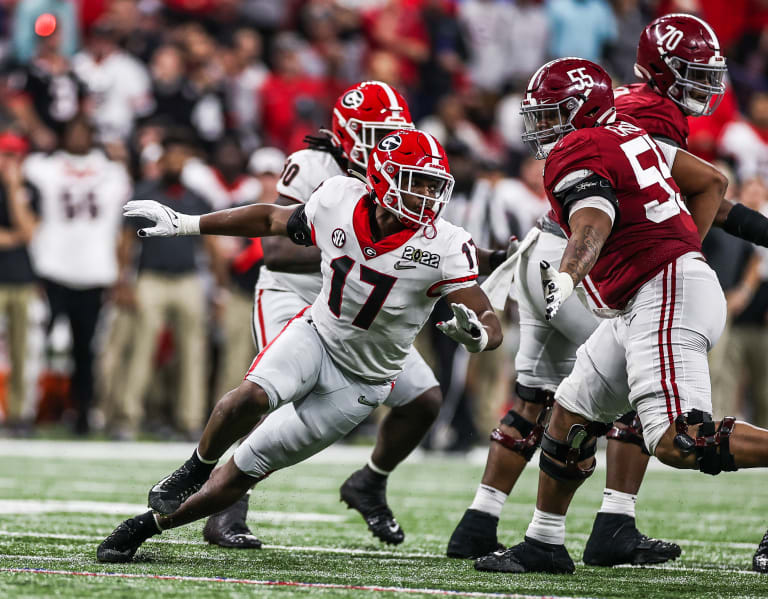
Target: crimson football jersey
pixel 652 225
pixel 657 114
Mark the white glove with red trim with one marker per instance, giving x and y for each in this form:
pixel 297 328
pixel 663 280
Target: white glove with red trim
pixel 557 287
pixel 465 328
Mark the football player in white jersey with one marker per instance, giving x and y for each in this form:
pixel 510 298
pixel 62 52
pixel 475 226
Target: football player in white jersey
pixel 291 279
pixel 337 359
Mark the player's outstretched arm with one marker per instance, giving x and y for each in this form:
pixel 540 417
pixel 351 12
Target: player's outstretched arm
pixel 590 227
pixel 703 187
pixel 474 324
pixel 255 220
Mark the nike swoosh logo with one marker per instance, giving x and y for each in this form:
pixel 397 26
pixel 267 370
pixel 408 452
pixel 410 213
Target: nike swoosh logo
pixel 403 265
pixel 365 402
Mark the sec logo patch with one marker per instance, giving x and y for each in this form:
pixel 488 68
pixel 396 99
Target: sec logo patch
pixel 338 237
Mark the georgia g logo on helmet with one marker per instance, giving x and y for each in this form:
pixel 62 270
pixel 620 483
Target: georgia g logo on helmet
pixel 390 142
pixel 353 98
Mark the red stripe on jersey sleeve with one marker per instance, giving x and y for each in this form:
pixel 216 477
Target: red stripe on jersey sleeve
pixel 431 292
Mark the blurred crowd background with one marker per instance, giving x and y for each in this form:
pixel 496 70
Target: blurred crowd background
pixel 197 102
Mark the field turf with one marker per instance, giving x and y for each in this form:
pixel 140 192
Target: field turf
pixel 59 499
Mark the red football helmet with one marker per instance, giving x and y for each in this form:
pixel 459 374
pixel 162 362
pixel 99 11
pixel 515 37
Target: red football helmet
pixel 364 114
pixel 564 95
pixel 679 56
pixel 409 174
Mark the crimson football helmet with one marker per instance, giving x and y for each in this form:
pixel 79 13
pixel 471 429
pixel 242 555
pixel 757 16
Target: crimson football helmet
pixel 564 95
pixel 408 171
pixel 679 56
pixel 364 114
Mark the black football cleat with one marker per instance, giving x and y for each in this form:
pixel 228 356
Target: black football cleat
pixel 228 528
pixel 365 491
pixel 760 559
pixel 615 540
pixel 121 545
pixel 168 494
pixel 474 536
pixel 528 556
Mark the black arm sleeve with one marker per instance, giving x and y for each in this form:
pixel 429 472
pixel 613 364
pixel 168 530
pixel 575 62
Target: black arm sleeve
pixel 299 231
pixel 594 185
pixel 747 224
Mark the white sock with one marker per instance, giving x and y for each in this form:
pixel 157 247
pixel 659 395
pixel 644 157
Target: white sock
pixel 376 469
pixel 547 528
pixel 489 500
pixel 616 502
pixel 204 461
pixel 157 524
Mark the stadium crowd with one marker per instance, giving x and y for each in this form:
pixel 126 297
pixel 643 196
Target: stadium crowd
pixel 197 103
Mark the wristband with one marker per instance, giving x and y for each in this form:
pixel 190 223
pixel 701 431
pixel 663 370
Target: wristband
pixel 189 224
pixel 565 283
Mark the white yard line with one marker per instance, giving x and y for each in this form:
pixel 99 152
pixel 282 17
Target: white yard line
pixel 286 583
pixel 373 552
pixel 178 452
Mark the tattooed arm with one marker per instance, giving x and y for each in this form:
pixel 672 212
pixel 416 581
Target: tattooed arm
pixel 590 228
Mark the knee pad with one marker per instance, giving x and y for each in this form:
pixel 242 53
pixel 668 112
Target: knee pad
pixel 580 445
pixel 531 432
pixel 712 447
pixel 632 433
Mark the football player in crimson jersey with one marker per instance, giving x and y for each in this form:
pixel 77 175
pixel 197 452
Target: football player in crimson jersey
pixel 354 339
pixel 291 279
pixel 616 194
pixel 678 57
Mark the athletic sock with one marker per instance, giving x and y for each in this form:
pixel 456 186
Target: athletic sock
pixel 616 502
pixel 196 457
pixel 374 468
pixel 489 500
pixel 547 528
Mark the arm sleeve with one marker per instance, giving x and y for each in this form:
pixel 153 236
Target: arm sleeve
pixel 299 230
pixel 588 188
pixel 669 150
pixel 594 202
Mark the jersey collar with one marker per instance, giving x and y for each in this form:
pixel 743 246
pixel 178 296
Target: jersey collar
pixel 362 225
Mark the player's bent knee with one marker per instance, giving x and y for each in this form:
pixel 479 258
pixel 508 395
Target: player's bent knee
pixel 628 429
pixel 572 459
pixel 521 430
pixel 249 399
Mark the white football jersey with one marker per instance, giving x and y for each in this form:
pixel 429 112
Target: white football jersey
pixel 304 171
pixel 206 182
pixel 81 200
pixel 376 296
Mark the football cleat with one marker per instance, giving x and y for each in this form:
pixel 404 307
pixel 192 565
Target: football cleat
pixel 528 556
pixel 121 545
pixel 228 528
pixel 365 491
pixel 760 559
pixel 474 536
pixel 168 494
pixel 615 540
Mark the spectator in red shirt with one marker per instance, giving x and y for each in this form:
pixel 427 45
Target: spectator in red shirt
pixel 294 105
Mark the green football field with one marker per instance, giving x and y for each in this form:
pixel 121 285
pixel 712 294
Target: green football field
pixel 59 499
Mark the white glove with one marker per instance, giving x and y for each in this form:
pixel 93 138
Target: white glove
pixel 465 328
pixel 557 287
pixel 168 223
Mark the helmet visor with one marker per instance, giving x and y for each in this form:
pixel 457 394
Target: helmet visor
pixel 701 86
pixel 545 124
pixel 421 194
